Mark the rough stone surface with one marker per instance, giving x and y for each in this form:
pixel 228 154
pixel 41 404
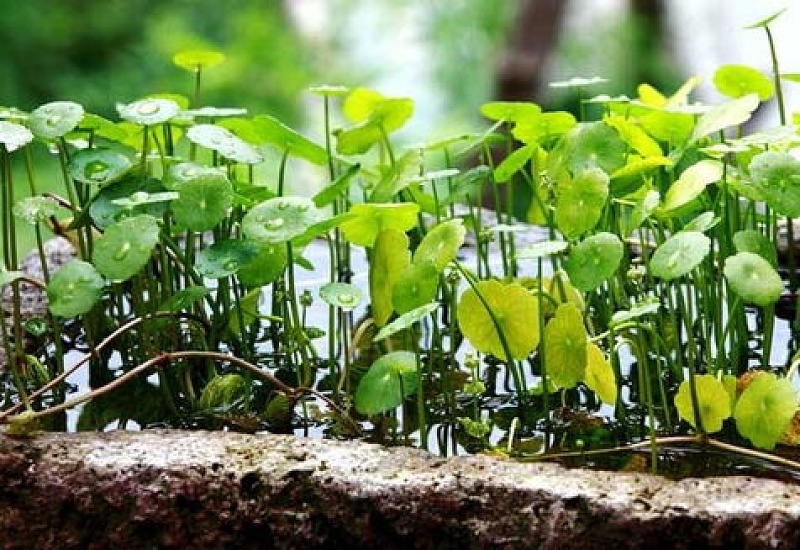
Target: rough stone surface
pixel 172 489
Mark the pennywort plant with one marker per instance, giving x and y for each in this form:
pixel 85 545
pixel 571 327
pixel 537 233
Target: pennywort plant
pixel 631 297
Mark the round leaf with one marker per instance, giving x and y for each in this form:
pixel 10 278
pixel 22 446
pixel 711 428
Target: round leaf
pixel 74 289
pixel 98 166
pixel 753 278
pixel 370 219
pixel 13 135
pixel 765 409
pixel 541 249
pixel 266 266
pixel 516 311
pixel 224 258
pixel 345 296
pixel 150 111
pixel 732 113
pixel 125 247
pixel 581 201
pixel 416 286
pixel 389 380
pixel 509 111
pixel 565 347
pixel 777 176
pixel 591 145
pixel 712 398
pixel 106 210
pixel 679 254
pixel 194 60
pixel 441 244
pixel 280 219
pixel 594 260
pixel 204 201
pixel 54 120
pixel 224 142
pixel 738 80
pixel 750 240
pixel 691 183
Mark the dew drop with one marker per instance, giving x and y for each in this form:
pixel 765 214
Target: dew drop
pixel 122 252
pixel 53 120
pixel 140 196
pixel 302 208
pixel 231 265
pixel 283 205
pixel 147 108
pixel 96 171
pixel 274 224
pixel 346 298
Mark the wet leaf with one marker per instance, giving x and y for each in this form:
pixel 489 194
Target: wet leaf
pixel 441 244
pixel 592 261
pixel 74 289
pixel 344 296
pixel 105 209
pixel 99 166
pixel 739 80
pixel 214 112
pixel 204 201
pixel 224 142
pixel 712 398
pixel 224 258
pixel 149 111
pixel 765 409
pixel 679 254
pixel 777 176
pixel 753 278
pixel 56 119
pixel 13 135
pixel 600 375
pixel 268 264
pixel 581 201
pixel 406 321
pixel 391 258
pixel 645 307
pixel 33 210
pixel 389 380
pixel 565 347
pixel 280 219
pixel 542 249
pixel 125 247
pixel 516 311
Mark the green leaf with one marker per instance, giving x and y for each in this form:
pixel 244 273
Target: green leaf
pixel 185 298
pixel 214 112
pixel 268 264
pixel 635 173
pixel 565 346
pixel 54 120
pixel 594 260
pixel 224 142
pixel 767 20
pixel 223 391
pixel 125 247
pixel 732 113
pixel 337 188
pixel 590 145
pixel 344 296
pixel 274 132
pixel 581 201
pixel 645 307
pixel 509 111
pixel 390 259
pixel 35 210
pixel 600 375
pixel 204 201
pixel 753 278
pixel 513 163
pixel 691 183
pixel 140 198
pixel 370 219
pixel 702 222
pixel 441 244
pixel 225 257
pixel 399 176
pixel 739 80
pixel 280 219
pixel 389 380
pixel 406 321
pixel 765 409
pixel 751 240
pixel 679 254
pixel 13 135
pixel 517 314
pixel 99 166
pixel 777 176
pixel 416 286
pixel 149 111
pixel 330 90
pixel 376 115
pixel 541 127
pixel 542 249
pixel 635 136
pixel 712 398
pixel 105 209
pixel 671 127
pixel 74 289
pixel 194 60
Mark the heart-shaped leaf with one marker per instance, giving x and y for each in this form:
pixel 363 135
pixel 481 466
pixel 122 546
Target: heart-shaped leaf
pixel 74 289
pixel 389 380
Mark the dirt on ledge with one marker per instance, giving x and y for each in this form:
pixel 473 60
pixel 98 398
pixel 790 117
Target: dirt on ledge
pixel 176 489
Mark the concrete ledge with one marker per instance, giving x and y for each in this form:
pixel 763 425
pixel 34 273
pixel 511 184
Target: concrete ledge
pixel 173 489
